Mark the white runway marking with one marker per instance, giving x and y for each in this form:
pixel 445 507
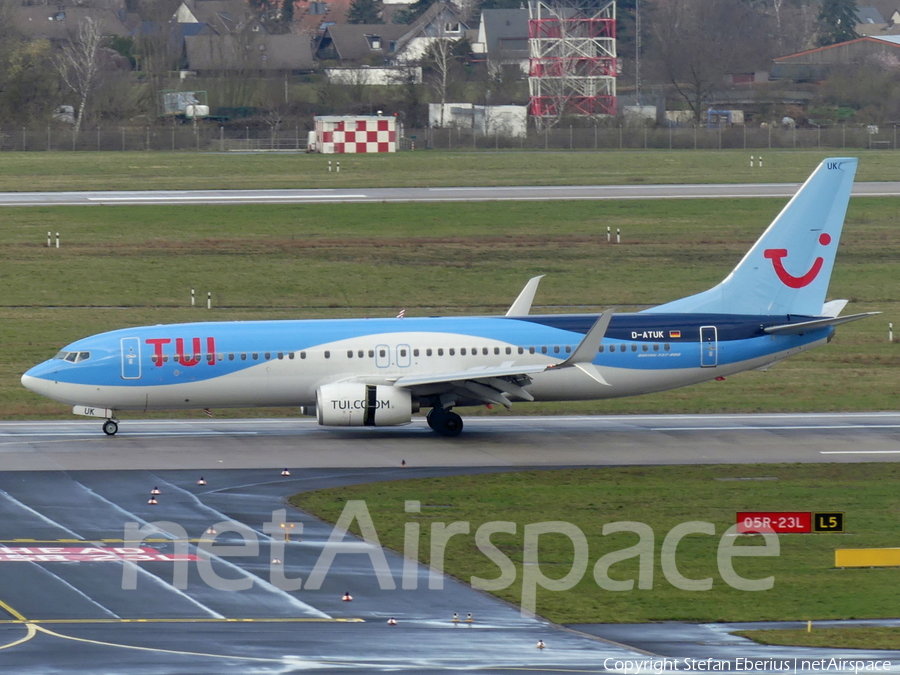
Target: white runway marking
pixel 859 452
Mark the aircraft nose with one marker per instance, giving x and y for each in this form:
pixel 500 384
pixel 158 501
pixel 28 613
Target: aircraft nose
pixel 32 380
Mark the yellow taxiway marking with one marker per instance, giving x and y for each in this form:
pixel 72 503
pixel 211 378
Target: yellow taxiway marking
pixel 36 622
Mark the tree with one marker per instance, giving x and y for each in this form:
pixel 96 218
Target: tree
pixel 365 11
pixel 29 86
pixel 697 42
pixel 79 65
pixel 837 22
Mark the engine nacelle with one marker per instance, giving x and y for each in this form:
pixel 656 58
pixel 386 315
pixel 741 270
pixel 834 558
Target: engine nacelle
pixel 353 404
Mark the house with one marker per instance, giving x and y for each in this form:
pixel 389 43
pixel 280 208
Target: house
pixel 248 53
pixel 222 16
pixel 441 21
pixel 503 37
pixel 814 64
pixel 372 44
pixel 314 16
pixel 56 23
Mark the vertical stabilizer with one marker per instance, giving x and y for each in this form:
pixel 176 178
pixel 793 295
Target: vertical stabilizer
pixel 788 269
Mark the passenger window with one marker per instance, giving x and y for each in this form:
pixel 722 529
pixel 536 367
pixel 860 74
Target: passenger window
pixel 462 351
pixel 290 355
pixel 656 348
pixel 568 349
pixel 427 352
pixel 531 350
pixel 556 350
pixel 601 349
pixel 452 351
pixel 666 346
pixel 280 356
pixel 349 353
pixel 209 358
pixel 175 358
pixel 521 350
pixel 231 357
pixel 255 356
pixel 243 356
pixel 381 353
pixel 484 351
pixel 361 353
pixel 327 354
pixel 441 351
pixel 497 350
pixel 415 352
pixel 165 358
pixel 302 355
pixel 543 350
pixel 153 358
pixel 645 347
pixel 221 357
pixel 621 348
pixel 402 352
pixel 268 355
pixel 509 350
pixel 371 353
pixel 634 348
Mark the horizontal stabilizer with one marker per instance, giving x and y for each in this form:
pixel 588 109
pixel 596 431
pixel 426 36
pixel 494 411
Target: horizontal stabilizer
pixel 803 327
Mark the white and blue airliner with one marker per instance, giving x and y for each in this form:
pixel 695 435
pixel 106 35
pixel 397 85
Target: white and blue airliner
pixel 379 372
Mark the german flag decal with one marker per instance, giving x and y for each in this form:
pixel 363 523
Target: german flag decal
pixel 675 334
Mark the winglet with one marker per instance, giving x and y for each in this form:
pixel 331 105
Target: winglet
pixel 522 304
pixel 587 350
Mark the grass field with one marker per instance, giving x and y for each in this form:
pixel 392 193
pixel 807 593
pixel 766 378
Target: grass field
pixel 806 585
pixel 28 171
pixel 133 265
pixel 863 637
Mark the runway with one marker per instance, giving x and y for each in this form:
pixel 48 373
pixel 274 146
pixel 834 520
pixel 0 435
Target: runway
pixel 67 493
pixel 443 194
pixel 490 441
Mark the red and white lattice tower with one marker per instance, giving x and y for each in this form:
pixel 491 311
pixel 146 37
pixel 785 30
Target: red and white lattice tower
pixel 572 49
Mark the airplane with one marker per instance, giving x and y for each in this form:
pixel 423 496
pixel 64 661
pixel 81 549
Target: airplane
pixel 381 371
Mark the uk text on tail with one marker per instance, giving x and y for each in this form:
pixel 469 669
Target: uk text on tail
pixel 788 269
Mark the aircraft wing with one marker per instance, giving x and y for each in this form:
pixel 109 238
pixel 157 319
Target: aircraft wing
pixel 503 370
pixel 798 328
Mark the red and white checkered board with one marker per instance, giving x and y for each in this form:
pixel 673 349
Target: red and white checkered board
pixel 361 135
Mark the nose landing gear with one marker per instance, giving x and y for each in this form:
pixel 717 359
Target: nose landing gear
pixel 110 427
pixel 445 422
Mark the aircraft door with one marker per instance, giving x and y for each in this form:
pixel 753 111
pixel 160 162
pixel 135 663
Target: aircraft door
pixel 403 356
pixel 709 347
pixel 382 356
pixel 131 358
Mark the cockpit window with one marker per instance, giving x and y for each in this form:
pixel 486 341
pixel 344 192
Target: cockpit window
pixel 73 357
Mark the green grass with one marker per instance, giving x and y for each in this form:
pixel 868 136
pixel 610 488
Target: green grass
pixel 55 171
pixel 862 637
pixel 806 584
pixel 134 265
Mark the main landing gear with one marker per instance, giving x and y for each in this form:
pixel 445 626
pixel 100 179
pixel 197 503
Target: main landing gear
pixel 110 427
pixel 445 422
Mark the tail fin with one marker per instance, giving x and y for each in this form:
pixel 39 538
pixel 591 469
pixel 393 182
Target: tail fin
pixel 788 269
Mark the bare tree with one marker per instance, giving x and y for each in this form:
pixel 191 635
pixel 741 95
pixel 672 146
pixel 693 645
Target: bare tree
pixel 79 64
pixel 441 58
pixel 698 42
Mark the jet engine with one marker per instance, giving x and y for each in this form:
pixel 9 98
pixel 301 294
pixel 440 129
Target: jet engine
pixel 353 404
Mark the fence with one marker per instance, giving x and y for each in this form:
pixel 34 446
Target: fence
pixel 211 138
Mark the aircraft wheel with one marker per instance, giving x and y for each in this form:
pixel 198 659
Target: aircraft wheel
pixel 433 418
pixel 110 427
pixel 451 425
